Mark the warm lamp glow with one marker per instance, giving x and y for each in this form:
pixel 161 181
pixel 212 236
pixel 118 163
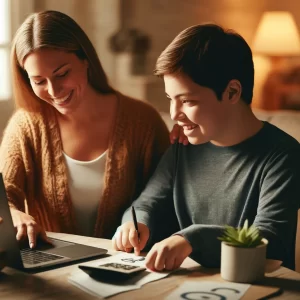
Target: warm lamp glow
pixel 277 35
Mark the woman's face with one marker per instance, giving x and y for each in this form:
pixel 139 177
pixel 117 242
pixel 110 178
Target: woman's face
pixel 57 77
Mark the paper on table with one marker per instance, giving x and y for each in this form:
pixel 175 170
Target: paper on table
pixel 209 290
pixel 98 288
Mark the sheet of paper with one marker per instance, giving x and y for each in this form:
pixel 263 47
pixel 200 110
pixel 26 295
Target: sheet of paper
pixel 209 290
pixel 98 288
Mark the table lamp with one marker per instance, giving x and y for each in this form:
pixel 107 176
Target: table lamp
pixel 277 36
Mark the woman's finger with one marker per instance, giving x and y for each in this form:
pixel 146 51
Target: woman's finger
pixel 182 138
pixel 185 142
pixel 21 232
pixel 175 133
pixel 31 233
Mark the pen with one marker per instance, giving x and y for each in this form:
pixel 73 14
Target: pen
pixel 135 222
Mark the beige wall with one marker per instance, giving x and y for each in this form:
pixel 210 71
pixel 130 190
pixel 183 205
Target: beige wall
pixel 161 20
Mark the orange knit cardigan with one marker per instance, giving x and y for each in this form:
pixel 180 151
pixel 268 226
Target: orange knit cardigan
pixel 34 169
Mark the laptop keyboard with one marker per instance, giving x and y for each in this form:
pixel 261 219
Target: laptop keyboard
pixel 33 257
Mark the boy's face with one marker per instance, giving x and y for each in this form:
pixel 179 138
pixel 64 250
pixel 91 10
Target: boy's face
pixel 195 108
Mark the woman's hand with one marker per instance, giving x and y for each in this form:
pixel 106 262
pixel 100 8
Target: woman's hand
pixel 27 227
pixel 126 238
pixel 177 134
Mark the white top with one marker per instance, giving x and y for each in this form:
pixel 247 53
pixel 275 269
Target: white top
pixel 86 180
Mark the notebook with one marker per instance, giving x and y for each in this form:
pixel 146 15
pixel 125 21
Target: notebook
pixel 43 255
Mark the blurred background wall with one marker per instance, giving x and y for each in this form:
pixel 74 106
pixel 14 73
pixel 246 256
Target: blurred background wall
pixel 159 21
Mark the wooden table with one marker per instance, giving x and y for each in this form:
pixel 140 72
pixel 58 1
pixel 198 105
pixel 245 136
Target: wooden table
pixel 53 284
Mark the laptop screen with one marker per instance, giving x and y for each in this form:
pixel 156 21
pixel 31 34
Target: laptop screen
pixel 8 241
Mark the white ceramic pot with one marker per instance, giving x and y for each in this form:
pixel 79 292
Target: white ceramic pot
pixel 243 265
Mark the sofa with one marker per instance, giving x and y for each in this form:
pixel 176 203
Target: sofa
pixel 288 121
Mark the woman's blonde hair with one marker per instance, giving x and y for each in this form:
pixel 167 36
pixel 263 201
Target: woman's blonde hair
pixel 51 29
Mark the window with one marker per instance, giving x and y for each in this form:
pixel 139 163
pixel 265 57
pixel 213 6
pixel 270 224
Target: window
pixel 5 37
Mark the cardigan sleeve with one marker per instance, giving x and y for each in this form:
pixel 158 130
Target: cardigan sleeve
pixel 12 164
pixel 151 139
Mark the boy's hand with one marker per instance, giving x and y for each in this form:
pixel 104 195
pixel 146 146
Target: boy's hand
pixel 168 254
pixel 126 238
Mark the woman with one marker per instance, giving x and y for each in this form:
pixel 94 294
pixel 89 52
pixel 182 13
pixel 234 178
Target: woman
pixel 76 152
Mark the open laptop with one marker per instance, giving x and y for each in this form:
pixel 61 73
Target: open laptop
pixel 44 255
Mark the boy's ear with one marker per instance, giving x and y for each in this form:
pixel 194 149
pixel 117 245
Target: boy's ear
pixel 233 91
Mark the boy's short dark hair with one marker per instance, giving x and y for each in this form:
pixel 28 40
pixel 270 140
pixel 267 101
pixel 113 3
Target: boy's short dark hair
pixel 211 56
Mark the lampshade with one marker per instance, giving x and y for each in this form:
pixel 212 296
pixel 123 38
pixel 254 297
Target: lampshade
pixel 277 35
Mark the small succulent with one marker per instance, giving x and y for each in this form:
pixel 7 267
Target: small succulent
pixel 246 237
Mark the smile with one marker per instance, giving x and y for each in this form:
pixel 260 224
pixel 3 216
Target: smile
pixel 62 100
pixel 189 127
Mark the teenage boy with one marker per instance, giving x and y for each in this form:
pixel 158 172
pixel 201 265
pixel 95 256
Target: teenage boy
pixel 236 167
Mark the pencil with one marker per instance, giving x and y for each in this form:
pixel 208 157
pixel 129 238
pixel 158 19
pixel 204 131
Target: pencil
pixel 135 222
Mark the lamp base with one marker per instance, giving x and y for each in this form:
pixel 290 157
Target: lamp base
pixel 279 87
pixel 277 63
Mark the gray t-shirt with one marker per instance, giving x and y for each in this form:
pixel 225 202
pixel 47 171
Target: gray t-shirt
pixel 197 189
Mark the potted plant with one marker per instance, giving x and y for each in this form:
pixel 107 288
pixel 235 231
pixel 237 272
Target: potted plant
pixel 243 254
